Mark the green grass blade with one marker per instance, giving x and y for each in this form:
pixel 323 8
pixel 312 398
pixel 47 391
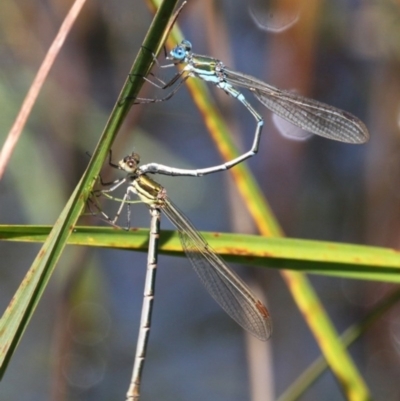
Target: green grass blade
pixel 319 366
pixel 318 257
pixel 16 317
pixel 18 313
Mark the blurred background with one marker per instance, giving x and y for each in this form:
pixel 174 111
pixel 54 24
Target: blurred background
pixel 80 343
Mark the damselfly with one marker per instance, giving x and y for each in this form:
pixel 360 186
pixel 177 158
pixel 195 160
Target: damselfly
pixel 310 115
pixel 230 292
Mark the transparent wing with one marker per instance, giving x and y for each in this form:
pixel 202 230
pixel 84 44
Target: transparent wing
pixel 230 292
pixel 308 114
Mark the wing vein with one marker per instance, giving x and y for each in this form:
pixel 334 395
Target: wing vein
pixel 225 286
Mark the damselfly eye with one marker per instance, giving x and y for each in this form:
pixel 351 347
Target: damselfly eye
pixel 178 53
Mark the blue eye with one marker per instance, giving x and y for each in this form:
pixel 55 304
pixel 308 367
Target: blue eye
pixel 178 53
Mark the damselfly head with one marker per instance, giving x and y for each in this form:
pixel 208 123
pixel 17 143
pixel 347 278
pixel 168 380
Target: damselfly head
pixel 186 45
pixel 130 163
pixel 180 51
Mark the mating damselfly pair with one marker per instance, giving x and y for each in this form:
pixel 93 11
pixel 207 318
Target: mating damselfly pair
pixel 223 284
